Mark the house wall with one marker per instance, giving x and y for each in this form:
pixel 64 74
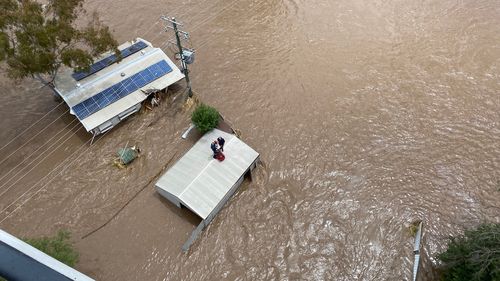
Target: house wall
pixel 109 124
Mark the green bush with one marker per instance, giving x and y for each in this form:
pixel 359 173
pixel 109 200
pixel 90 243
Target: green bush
pixel 57 247
pixel 474 256
pixel 205 118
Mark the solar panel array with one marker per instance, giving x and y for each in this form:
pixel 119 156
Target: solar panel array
pixel 100 65
pixel 120 90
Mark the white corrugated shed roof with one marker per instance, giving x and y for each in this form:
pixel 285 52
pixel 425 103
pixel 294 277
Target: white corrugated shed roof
pixel 199 181
pixel 74 92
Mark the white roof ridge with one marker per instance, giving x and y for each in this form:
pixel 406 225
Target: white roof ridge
pixel 201 172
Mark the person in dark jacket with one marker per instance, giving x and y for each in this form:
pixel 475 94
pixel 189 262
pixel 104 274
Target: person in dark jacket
pixel 221 142
pixel 215 148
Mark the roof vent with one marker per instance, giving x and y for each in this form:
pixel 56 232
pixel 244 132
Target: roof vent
pixel 143 52
pixel 122 74
pixel 78 85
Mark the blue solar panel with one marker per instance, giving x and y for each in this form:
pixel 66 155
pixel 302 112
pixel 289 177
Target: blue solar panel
pixel 100 65
pixel 120 90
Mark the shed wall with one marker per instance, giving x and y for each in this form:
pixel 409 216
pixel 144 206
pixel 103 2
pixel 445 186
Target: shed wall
pixel 169 196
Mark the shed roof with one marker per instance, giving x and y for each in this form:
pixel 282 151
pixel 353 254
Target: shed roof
pixel 200 182
pixel 75 92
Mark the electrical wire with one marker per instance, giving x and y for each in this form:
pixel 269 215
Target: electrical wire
pixel 30 156
pixel 38 163
pixel 31 126
pixel 13 202
pixel 251 9
pixel 194 29
pixel 46 184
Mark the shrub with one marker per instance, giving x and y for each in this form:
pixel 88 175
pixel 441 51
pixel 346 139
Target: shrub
pixel 474 256
pixel 205 118
pixel 57 247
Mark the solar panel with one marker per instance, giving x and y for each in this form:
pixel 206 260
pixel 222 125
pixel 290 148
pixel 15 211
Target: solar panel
pixel 121 89
pixel 100 65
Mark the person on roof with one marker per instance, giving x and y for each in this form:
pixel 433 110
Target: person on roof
pixel 221 142
pixel 215 148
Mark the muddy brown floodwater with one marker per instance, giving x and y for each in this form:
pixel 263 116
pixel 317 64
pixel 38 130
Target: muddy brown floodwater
pixel 368 115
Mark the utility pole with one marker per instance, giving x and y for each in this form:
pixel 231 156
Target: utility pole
pixel 186 55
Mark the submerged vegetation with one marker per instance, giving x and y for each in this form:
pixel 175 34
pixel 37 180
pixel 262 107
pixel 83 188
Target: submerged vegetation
pixel 473 256
pixel 205 118
pixel 58 247
pixel 413 228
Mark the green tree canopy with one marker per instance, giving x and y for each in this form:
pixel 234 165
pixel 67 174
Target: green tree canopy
pixel 205 118
pixel 36 39
pixel 474 256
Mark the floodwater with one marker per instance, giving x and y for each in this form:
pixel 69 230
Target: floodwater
pixel 368 115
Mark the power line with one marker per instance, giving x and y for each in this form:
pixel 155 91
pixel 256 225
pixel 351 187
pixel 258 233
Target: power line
pixel 8 156
pixel 36 165
pixel 46 143
pixel 196 27
pixel 45 185
pixel 31 126
pixel 13 202
pixel 150 28
pixel 186 56
pixel 54 150
pixel 251 9
pixel 45 157
pixel 211 17
pixel 29 156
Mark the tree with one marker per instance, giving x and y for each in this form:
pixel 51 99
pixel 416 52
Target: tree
pixel 205 118
pixel 473 256
pixel 57 247
pixel 36 40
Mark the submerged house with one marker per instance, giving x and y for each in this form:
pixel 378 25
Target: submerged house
pixel 110 91
pixel 203 184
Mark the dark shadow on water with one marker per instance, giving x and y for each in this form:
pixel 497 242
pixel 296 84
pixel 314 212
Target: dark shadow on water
pixel 183 213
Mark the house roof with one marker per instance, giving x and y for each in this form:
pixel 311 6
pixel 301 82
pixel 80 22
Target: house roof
pixel 20 261
pixel 106 81
pixel 200 182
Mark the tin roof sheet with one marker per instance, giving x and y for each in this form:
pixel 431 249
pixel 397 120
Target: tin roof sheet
pixel 200 182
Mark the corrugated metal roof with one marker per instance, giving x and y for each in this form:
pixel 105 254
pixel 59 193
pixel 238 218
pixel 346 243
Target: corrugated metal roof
pixel 73 92
pixel 199 181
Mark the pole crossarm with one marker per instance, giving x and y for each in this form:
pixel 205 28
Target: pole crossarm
pixel 184 66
